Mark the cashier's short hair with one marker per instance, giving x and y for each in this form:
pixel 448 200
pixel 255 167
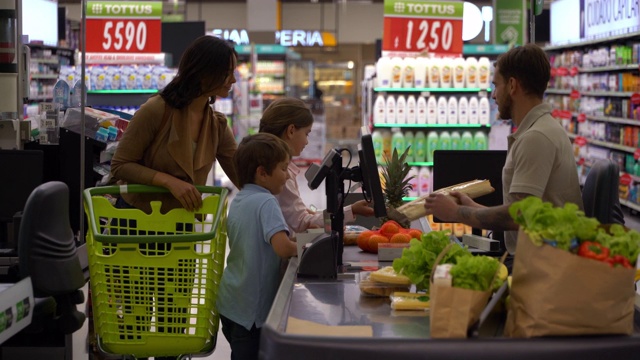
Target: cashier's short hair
pixel 284 112
pixel 529 65
pixel 256 150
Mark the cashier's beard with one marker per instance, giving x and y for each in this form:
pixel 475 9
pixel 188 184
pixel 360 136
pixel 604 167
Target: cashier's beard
pixel 505 107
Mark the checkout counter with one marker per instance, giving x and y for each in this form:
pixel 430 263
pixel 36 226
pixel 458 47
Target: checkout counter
pixel 329 319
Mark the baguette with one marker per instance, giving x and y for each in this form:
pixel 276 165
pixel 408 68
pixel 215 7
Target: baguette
pixel 475 188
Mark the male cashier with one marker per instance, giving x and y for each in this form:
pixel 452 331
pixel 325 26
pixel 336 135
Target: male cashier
pixel 540 159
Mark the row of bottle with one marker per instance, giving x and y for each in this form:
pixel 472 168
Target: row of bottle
pixel 451 110
pixel 424 72
pixel 421 146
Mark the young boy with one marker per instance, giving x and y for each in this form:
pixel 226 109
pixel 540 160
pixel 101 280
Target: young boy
pixel 258 238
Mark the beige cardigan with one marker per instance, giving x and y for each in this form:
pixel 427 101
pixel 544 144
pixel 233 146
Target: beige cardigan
pixel 145 149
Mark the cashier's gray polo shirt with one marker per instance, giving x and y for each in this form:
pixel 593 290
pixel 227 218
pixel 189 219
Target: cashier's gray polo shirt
pixel 540 162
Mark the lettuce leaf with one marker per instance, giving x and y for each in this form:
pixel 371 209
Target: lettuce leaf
pixel 475 273
pixel 417 261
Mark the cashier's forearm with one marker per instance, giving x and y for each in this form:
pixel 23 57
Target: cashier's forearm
pixel 495 218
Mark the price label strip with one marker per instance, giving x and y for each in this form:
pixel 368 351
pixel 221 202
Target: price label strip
pixel 422 27
pixel 49 123
pixel 124 26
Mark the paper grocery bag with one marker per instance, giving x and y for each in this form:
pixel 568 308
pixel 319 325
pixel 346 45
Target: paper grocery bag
pixel 453 310
pixel 555 292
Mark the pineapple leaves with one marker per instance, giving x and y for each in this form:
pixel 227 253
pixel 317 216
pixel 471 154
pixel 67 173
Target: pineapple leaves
pixel 396 180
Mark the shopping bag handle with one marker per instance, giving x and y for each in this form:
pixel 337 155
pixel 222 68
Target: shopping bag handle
pixel 146 189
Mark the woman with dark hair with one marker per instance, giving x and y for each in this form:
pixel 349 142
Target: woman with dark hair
pixel 172 142
pixel 174 138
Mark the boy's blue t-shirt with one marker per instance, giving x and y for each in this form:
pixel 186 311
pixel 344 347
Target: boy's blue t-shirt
pixel 251 278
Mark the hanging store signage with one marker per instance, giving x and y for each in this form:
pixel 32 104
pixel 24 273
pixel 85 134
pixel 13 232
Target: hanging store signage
pixel 238 36
pixel 510 22
pixel 607 18
pixel 123 26
pixel 413 27
pixel 305 38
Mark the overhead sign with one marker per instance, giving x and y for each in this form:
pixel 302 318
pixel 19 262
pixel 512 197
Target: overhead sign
pixel 413 27
pixel 606 18
pixel 123 26
pixel 238 36
pixel 286 38
pixel 510 22
pixel 305 38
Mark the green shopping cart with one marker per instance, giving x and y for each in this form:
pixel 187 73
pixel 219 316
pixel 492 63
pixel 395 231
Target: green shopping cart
pixel 154 277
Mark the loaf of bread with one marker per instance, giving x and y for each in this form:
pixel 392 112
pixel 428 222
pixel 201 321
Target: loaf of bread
pixel 369 287
pixel 475 188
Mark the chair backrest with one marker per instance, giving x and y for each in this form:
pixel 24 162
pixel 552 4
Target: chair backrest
pixel 600 193
pixel 47 252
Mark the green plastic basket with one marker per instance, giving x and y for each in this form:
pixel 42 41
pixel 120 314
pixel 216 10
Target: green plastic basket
pixel 155 277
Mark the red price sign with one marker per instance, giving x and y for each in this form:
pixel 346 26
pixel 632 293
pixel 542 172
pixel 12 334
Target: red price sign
pixel 416 35
pixel 138 36
pixel 582 118
pixel 580 141
pixel 119 26
pixel 414 27
pixel 636 154
pixel 625 179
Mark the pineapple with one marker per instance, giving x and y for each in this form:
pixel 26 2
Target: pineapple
pixel 395 179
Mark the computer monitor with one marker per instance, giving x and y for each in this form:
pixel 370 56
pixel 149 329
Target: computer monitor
pixel 371 187
pixel 21 173
pixel 451 167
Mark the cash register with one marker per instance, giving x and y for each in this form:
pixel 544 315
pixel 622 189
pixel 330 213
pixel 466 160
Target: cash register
pixel 322 257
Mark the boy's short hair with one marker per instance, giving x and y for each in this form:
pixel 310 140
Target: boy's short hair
pixel 528 64
pixel 261 149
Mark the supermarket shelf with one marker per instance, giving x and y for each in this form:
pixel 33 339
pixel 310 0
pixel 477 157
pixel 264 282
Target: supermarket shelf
pixel 609 68
pixel 45 61
pixel 616 120
pixel 451 90
pixel 44 76
pixel 420 163
pixel 608 93
pixel 382 125
pixel 558 91
pixel 630 204
pixel 591 93
pixel 628 149
pixel 607 39
pixel 139 91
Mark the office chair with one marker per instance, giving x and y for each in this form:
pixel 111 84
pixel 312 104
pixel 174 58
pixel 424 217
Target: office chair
pixel 47 254
pixel 600 193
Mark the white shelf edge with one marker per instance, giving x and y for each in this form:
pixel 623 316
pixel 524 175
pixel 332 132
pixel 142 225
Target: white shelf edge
pixel 630 204
pixel 591 42
pixel 609 68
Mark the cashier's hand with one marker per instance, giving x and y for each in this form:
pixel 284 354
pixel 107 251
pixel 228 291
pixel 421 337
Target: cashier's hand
pixel 443 207
pixel 362 207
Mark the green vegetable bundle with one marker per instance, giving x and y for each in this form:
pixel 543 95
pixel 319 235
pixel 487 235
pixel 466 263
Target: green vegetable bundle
pixel 566 227
pixel 417 261
pixel 476 273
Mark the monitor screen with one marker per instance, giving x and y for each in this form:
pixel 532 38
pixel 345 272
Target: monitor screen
pixel 451 167
pixel 371 186
pixel 21 173
pixel 40 21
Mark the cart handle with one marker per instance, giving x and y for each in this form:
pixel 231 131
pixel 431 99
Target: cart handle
pixel 135 188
